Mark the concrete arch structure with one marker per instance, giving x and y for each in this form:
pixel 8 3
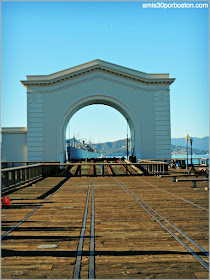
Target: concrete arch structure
pixel 97 99
pixel 141 98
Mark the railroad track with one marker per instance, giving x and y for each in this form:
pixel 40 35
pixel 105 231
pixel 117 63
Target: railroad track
pixel 190 245
pixel 79 252
pixel 77 268
pixel 32 212
pixel 177 196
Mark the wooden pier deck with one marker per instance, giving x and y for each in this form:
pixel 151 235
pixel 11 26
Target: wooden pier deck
pixel 129 243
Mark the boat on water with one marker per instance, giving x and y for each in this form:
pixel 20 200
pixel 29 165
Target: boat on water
pixel 76 150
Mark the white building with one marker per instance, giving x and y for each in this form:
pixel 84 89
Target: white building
pixel 143 99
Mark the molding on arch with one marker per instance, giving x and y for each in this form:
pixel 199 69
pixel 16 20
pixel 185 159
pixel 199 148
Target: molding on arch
pixel 115 103
pixel 97 65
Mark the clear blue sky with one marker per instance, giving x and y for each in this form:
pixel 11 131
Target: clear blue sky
pixel 40 38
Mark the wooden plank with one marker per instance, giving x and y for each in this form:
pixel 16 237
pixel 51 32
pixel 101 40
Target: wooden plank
pixel 128 242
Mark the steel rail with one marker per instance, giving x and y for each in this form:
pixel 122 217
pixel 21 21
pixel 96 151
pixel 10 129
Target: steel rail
pixel 126 189
pixel 30 214
pixel 170 223
pixel 92 238
pixel 77 267
pixel 196 205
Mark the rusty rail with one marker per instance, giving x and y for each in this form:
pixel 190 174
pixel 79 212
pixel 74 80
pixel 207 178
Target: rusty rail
pixel 124 168
pixel 134 168
pixel 92 169
pixel 108 168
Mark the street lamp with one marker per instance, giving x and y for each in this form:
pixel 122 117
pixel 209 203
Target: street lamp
pixel 191 141
pixel 187 138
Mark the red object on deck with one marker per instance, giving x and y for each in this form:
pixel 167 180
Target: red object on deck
pixel 4 201
pixel 8 201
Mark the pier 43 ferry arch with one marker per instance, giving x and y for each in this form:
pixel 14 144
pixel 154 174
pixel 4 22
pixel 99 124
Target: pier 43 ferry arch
pixel 143 99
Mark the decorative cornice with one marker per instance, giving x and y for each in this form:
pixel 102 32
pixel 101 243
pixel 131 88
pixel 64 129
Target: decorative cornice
pixel 136 76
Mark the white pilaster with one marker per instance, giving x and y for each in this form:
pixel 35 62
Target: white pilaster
pixel 35 126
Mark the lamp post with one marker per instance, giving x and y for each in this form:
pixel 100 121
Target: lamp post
pixel 191 141
pixel 187 138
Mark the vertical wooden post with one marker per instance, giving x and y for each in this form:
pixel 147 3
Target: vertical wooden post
pixel 18 175
pixel 13 177
pixel 23 174
pixel 27 174
pixel 5 179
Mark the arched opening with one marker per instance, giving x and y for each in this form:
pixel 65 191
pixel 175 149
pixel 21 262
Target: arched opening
pixel 91 127
pixel 90 100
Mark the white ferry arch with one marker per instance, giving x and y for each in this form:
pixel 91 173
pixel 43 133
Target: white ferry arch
pixel 143 99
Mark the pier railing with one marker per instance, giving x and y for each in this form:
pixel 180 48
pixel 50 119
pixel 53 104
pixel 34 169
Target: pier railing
pixel 8 164
pixel 153 167
pixel 15 176
pixel 197 161
pixel 147 167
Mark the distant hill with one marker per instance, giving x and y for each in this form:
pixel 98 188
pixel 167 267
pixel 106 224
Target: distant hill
pixel 116 148
pixel 119 148
pixel 198 143
pixel 180 150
